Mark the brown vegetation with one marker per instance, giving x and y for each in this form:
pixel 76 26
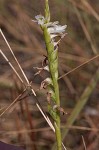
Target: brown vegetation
pixel 22 124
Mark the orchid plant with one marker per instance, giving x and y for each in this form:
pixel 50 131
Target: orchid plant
pixel 51 30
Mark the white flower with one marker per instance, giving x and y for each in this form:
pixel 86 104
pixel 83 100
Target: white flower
pixel 51 24
pixel 53 35
pixel 46 68
pixel 57 29
pixel 54 29
pixel 45 83
pixel 39 19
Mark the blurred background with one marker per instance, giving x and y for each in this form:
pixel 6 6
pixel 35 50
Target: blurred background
pixel 22 124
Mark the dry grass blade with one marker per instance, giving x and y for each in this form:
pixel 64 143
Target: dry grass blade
pixel 89 7
pixel 46 117
pixel 19 96
pixel 13 68
pixel 84 5
pixel 80 128
pixel 15 57
pixel 39 107
pixel 86 62
pixel 85 31
pixel 82 101
pixel 48 128
pixel 28 83
pixel 16 61
pixel 83 140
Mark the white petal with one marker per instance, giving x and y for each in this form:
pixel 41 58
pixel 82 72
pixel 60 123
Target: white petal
pixel 53 35
pixel 40 19
pixel 46 68
pixel 55 43
pixel 52 24
pixel 61 28
pixel 57 29
pixel 48 80
pixel 34 20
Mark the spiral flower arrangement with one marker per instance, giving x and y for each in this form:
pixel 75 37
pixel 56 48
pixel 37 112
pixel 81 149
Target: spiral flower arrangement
pixel 51 30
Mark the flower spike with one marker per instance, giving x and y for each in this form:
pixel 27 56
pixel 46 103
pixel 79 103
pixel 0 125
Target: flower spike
pixel 51 30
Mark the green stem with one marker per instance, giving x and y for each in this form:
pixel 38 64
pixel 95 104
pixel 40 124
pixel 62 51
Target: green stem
pixel 57 121
pixel 53 68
